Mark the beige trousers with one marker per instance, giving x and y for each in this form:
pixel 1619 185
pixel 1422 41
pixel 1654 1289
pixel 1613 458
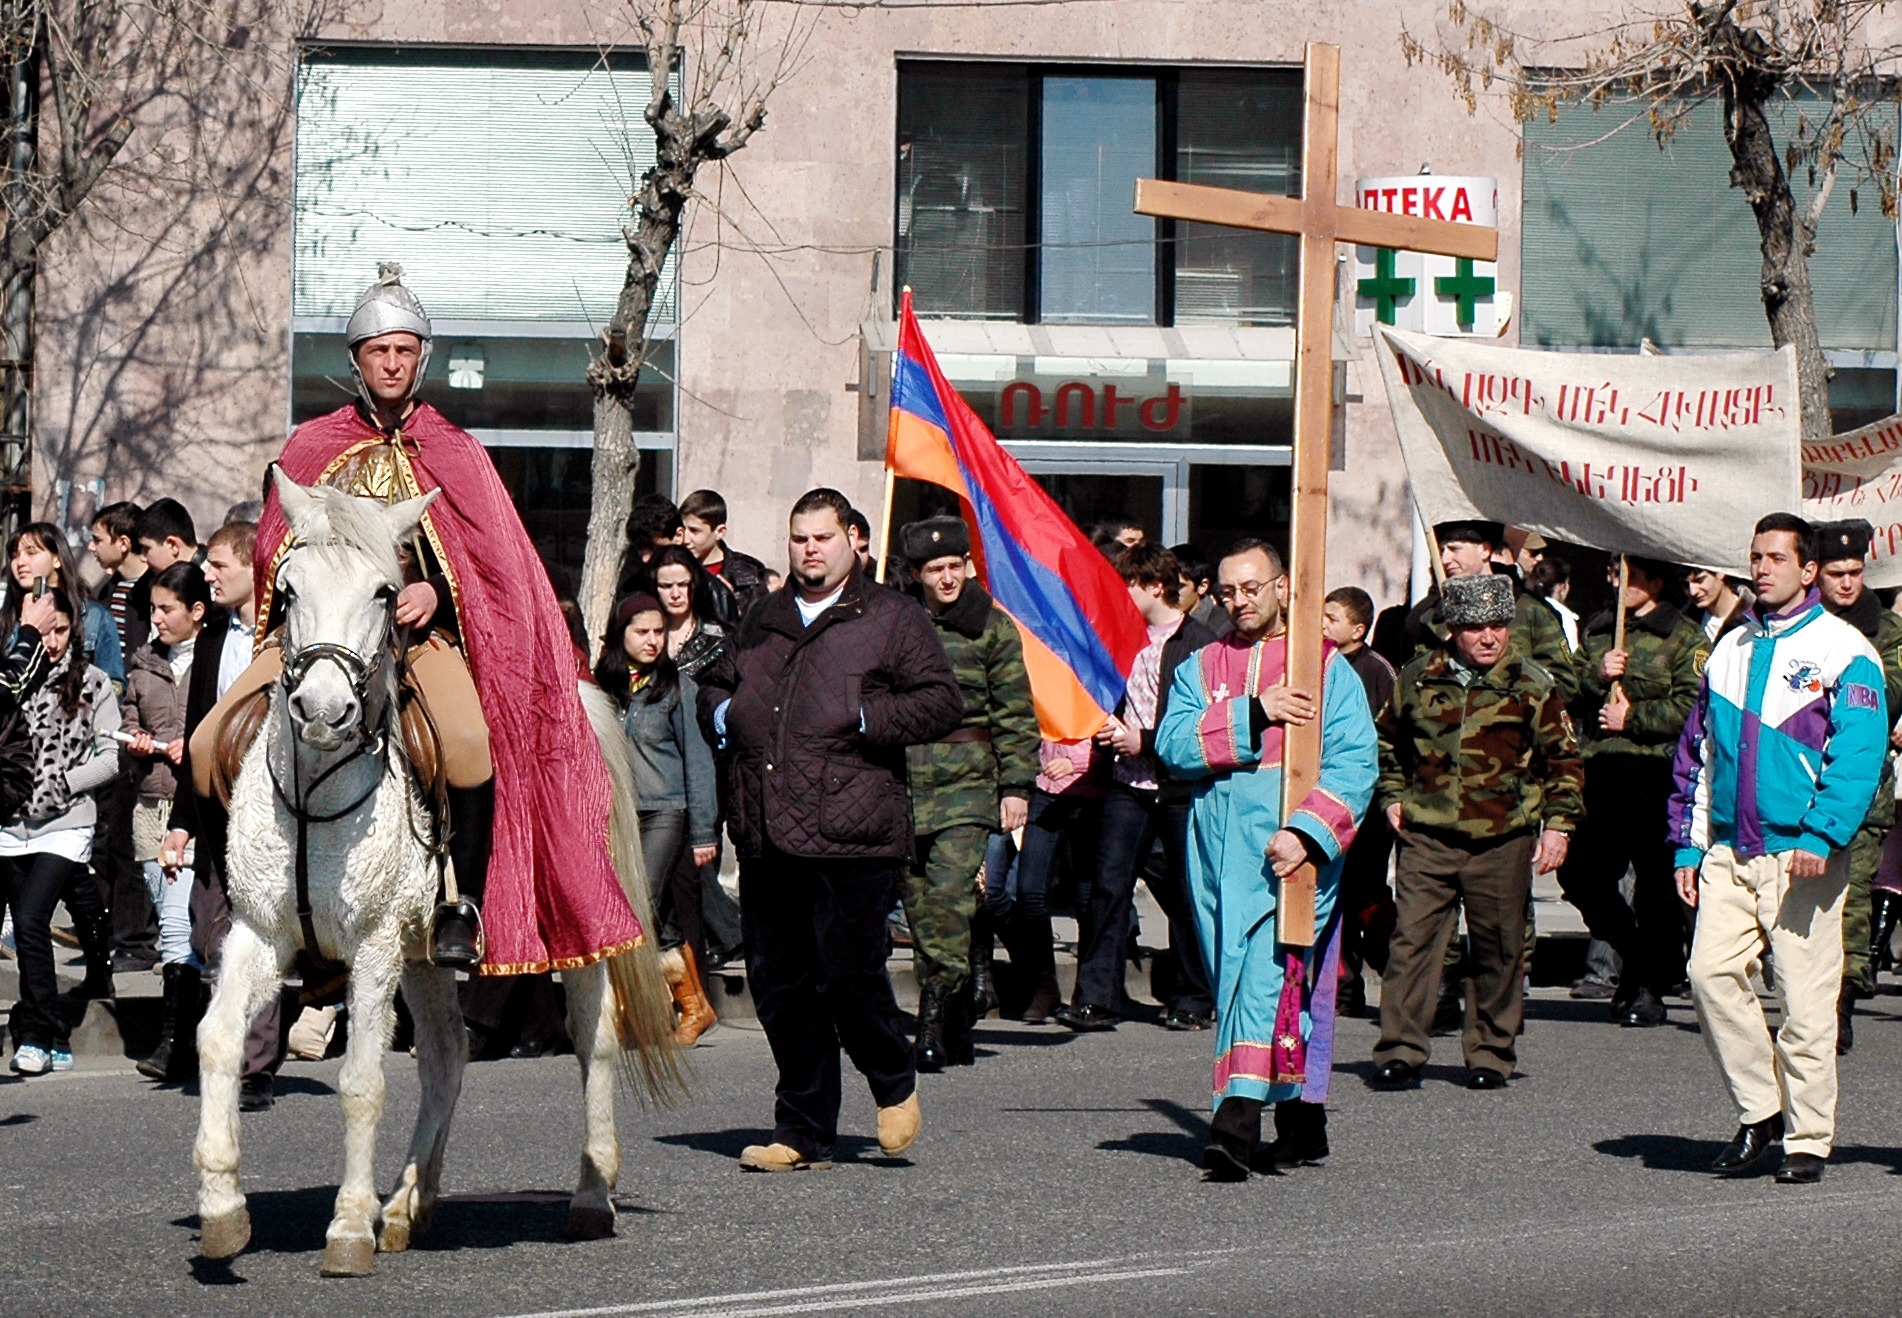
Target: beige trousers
pixel 1744 907
pixel 440 673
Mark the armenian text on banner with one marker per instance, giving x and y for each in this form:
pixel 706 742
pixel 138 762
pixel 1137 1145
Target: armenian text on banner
pixel 1670 457
pixel 1859 474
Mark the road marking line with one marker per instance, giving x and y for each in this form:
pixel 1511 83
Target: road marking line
pixel 899 1290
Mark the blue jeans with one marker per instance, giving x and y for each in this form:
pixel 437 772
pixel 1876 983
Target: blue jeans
pixel 173 902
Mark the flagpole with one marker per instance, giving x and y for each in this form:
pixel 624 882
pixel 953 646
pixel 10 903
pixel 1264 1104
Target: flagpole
pixel 885 526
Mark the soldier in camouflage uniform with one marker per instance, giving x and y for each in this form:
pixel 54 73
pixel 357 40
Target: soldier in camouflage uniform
pixel 1842 548
pixel 1631 707
pixel 1481 779
pixel 964 787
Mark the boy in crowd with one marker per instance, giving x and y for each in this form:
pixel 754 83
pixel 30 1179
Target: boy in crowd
pixel 1367 909
pixel 164 535
pixel 127 588
pixel 703 520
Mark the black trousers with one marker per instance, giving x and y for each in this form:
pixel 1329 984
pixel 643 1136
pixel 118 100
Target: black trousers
pixel 134 918
pixel 815 959
pixel 1367 906
pixel 31 885
pixel 1132 822
pixel 1625 825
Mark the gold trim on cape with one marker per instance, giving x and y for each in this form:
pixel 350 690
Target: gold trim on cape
pixel 560 962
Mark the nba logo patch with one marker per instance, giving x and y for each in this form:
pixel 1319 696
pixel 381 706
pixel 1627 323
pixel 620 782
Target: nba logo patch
pixel 1857 696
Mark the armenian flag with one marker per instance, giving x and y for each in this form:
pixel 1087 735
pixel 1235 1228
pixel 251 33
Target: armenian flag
pixel 1081 631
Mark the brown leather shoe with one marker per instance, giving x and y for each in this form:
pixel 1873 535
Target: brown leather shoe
pixel 898 1126
pixel 690 996
pixel 779 1158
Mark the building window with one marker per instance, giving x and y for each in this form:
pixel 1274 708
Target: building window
pixel 499 180
pixel 1624 240
pixel 1015 183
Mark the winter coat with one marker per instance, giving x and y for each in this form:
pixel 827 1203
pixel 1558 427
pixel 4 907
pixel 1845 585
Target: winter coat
pixel 1666 653
pixel 1882 628
pixel 817 719
pixel 154 702
pixel 960 782
pixel 74 755
pixel 673 769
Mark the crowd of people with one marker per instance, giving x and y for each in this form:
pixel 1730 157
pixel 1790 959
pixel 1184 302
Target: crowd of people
pixel 1705 767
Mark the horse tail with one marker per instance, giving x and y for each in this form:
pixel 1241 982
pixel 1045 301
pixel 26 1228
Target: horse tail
pixel 643 1002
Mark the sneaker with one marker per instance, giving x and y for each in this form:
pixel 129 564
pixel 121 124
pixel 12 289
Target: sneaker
pixel 62 1059
pixel 31 1059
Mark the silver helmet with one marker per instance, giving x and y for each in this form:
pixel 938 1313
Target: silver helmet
pixel 386 307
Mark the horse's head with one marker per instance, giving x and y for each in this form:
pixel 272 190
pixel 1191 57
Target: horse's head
pixel 338 584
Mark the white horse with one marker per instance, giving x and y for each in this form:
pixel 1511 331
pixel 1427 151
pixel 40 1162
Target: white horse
pixel 330 753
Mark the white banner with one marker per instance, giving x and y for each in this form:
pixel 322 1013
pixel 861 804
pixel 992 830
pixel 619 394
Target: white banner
pixel 1859 474
pixel 1667 457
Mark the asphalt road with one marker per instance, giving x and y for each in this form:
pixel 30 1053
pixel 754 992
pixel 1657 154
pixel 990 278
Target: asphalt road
pixel 1056 1177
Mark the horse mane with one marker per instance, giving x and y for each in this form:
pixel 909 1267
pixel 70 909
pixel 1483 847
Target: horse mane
pixel 345 521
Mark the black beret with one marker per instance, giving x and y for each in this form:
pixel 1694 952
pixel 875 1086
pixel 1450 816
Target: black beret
pixel 935 537
pixel 1837 540
pixel 1471 531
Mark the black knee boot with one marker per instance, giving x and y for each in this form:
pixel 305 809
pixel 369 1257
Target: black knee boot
pixel 983 981
pixel 930 1044
pixel 1888 910
pixel 1029 939
pixel 456 935
pixel 1233 1136
pixel 175 1060
pixel 95 939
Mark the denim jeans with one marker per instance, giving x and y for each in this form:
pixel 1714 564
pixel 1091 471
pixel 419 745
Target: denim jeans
pixel 31 885
pixel 173 901
pixel 1133 820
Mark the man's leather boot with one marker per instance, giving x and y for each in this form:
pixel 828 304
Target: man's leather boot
pixel 1300 1135
pixel 95 940
pixel 455 938
pixel 960 1017
pixel 1233 1135
pixel 983 970
pixel 929 1046
pixel 1888 910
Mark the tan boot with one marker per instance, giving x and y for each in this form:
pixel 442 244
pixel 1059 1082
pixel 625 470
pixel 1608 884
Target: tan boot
pixel 696 1013
pixel 898 1126
pixel 779 1158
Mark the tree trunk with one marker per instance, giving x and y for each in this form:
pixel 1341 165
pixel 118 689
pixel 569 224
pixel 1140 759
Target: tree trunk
pixel 614 375
pixel 17 276
pixel 1787 241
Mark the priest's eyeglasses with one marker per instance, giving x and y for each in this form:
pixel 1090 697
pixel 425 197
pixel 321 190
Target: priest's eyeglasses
pixel 1247 590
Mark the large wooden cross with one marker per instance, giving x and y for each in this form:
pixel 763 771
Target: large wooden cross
pixel 1320 222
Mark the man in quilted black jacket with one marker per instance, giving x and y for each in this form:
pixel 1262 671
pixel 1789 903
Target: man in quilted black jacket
pixel 827 682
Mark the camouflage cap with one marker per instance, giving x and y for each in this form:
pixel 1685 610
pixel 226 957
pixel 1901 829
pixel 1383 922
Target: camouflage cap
pixel 935 537
pixel 1476 601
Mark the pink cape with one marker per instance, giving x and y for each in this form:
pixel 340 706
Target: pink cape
pixel 552 901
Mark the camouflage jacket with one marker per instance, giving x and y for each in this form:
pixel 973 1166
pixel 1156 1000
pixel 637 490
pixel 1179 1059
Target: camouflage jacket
pixel 1486 759
pixel 1884 630
pixel 1537 635
pixel 1666 653
pixel 959 782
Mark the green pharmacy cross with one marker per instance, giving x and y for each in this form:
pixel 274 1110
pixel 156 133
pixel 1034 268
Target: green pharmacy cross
pixel 1464 287
pixel 1387 288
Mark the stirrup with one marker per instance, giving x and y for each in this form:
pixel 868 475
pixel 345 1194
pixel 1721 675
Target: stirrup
pixel 455 936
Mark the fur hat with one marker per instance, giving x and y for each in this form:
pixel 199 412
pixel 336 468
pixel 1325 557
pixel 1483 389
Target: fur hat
pixel 1476 601
pixel 935 537
pixel 1470 531
pixel 1838 540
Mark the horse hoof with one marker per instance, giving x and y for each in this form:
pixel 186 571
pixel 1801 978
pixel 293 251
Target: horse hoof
pixel 348 1257
pixel 588 1223
pixel 225 1237
pixel 393 1238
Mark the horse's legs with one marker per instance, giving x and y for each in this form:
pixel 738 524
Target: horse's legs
pixel 249 973
pixel 597 1048
pixel 441 1051
pixel 349 1244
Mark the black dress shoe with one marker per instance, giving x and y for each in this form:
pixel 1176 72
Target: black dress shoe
pixel 1753 1147
pixel 1222 1165
pixel 1481 1078
pixel 1187 1021
pixel 1800 1169
pixel 1397 1075
pixel 1087 1018
pixel 1646 1010
pixel 1300 1137
pixel 255 1094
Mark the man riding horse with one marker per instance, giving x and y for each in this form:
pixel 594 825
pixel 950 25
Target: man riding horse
pixel 490 660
